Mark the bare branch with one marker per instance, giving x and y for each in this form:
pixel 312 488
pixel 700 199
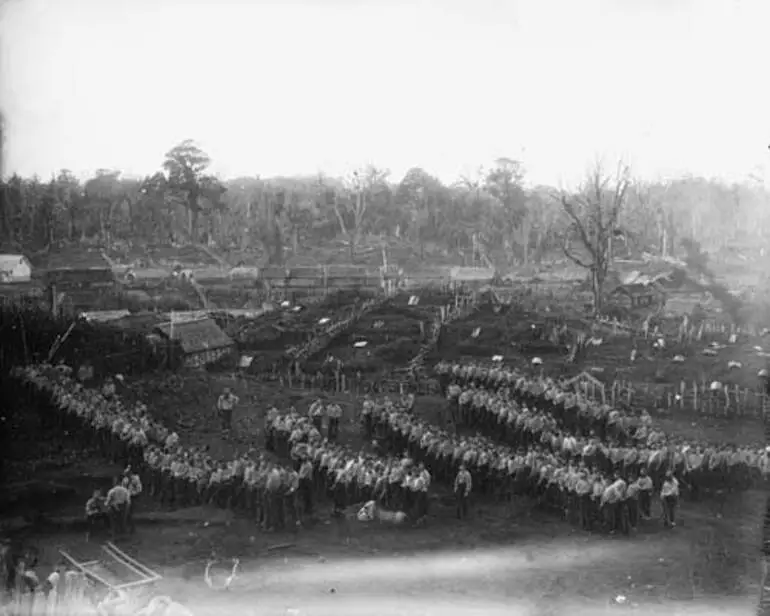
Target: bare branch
pixel 572 257
pixel 340 217
pixel 578 225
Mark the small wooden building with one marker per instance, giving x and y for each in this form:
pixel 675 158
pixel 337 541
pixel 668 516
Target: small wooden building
pixel 201 341
pixel 634 296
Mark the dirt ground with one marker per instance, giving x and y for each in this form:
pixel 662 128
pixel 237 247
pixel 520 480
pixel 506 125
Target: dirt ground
pixel 489 565
pixel 502 559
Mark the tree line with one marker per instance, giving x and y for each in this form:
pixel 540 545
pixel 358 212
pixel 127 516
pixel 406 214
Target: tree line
pixel 493 208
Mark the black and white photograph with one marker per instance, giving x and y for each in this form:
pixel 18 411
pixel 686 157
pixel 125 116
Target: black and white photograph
pixel 384 308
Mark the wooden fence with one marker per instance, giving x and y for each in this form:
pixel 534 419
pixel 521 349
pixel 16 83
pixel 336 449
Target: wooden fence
pixel 698 402
pixel 694 397
pixel 687 332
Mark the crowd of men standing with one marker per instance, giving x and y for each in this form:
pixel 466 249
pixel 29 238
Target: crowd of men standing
pixel 276 496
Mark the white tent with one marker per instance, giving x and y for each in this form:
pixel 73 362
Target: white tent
pixel 471 274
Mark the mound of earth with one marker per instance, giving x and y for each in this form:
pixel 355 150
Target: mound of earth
pixel 392 334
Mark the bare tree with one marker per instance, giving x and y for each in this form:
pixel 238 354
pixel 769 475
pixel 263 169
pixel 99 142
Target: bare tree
pixel 592 214
pixel 352 206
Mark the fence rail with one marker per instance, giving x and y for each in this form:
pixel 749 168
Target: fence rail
pixel 687 332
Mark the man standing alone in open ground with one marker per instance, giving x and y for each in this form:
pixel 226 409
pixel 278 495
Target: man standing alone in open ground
pixel 334 412
pixel 225 405
pixel 463 486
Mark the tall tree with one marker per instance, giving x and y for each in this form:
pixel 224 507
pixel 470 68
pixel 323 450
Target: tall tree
pixel 186 165
pixel 592 214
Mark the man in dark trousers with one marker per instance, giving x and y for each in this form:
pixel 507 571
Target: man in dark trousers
pixel 463 487
pixel 117 504
pixel 316 413
pixel 669 496
pixel 645 494
pixel 225 405
pixel 133 484
pixel 306 486
pixel 334 414
pixel 96 514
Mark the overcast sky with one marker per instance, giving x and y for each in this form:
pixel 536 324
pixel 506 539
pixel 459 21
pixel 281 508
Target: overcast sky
pixel 670 86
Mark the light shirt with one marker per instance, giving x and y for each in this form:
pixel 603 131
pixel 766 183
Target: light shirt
pixel 118 496
pixel 670 488
pixel 463 479
pixel 226 402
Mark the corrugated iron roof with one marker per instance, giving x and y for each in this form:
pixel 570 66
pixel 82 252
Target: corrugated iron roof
pixel 196 336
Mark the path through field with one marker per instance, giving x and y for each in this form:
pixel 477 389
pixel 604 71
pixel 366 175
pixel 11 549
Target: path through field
pixel 522 571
